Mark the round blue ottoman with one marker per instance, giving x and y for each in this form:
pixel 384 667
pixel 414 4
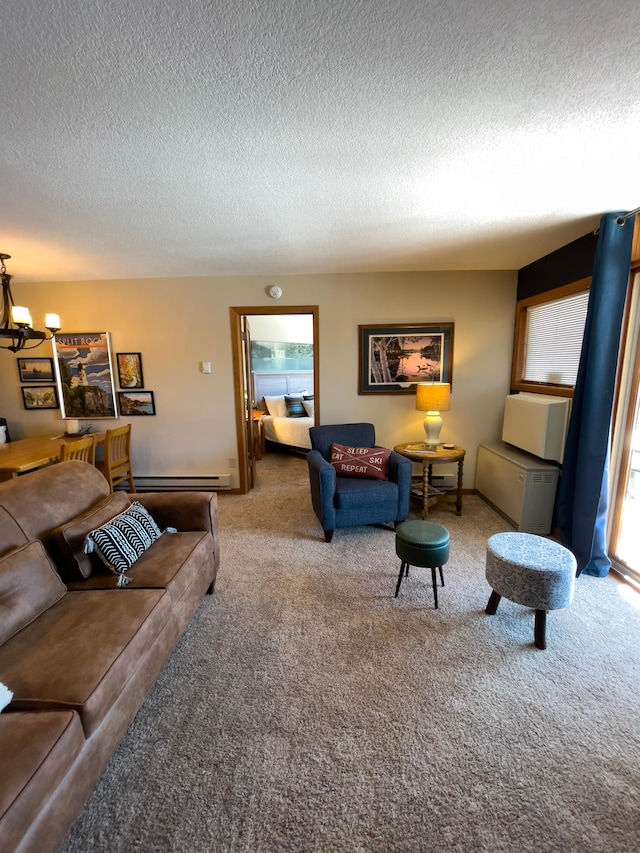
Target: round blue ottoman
pixel 532 571
pixel 424 544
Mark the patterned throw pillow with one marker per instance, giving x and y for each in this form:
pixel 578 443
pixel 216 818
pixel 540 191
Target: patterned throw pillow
pixel 295 409
pixel 371 463
pixel 123 540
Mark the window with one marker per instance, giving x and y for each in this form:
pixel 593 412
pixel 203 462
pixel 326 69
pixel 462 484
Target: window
pixel 548 339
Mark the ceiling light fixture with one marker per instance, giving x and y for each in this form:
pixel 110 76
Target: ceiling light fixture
pixel 15 320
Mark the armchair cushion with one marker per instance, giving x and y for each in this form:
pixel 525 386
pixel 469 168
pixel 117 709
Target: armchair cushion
pixel 352 493
pixel 370 463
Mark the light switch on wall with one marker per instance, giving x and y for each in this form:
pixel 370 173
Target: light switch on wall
pixel 206 367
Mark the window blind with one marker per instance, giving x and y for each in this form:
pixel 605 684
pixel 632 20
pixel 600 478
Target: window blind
pixel 554 340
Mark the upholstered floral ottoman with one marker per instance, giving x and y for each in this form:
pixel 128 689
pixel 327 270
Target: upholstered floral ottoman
pixel 532 571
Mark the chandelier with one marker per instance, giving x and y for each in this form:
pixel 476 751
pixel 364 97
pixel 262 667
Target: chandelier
pixel 15 320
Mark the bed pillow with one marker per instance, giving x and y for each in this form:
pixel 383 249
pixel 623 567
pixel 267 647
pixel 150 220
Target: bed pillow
pixel 293 402
pixel 276 406
pixel 124 539
pixel 309 407
pixel 369 463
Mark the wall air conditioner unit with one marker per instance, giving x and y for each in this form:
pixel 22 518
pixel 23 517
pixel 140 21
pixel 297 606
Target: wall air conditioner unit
pixel 520 487
pixel 536 423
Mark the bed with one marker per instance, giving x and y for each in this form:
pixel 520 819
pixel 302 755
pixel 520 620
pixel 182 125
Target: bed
pixel 269 391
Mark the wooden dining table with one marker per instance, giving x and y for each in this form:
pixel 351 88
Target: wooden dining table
pixel 27 454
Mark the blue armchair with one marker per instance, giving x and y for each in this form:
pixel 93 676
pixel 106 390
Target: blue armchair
pixel 349 501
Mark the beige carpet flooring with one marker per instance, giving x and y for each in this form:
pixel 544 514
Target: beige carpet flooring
pixel 306 709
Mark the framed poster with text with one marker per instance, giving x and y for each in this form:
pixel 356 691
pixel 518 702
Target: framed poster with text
pixel 84 375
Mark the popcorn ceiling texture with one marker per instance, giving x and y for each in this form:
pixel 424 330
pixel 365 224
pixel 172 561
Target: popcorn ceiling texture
pixel 197 138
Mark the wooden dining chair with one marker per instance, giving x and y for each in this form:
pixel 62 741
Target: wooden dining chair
pixel 80 448
pixel 116 466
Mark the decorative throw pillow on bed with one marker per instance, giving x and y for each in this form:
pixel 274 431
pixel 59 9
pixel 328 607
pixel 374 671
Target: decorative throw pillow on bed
pixel 123 540
pixel 370 463
pixel 308 407
pixel 295 409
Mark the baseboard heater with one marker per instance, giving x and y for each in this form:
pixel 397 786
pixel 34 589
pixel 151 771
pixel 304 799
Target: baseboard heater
pixel 209 483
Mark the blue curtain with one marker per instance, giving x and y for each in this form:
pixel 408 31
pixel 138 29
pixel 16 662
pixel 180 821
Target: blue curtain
pixel 584 481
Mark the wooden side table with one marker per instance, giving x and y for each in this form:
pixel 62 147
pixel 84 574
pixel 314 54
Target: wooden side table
pixel 258 433
pixel 440 456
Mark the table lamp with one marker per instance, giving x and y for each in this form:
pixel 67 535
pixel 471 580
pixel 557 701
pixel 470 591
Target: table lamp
pixel 433 398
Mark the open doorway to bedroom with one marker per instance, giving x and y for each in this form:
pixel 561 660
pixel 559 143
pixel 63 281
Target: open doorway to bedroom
pixel 268 369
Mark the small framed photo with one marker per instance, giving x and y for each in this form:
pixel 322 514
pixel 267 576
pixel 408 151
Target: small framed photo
pixel 36 369
pixel 136 403
pixel 395 358
pixel 40 397
pixel 130 369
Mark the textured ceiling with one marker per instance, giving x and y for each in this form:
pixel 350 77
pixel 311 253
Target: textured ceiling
pixel 186 137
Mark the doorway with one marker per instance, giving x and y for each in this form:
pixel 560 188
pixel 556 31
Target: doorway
pixel 243 387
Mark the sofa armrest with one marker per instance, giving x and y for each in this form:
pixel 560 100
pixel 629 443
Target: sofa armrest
pixel 183 510
pixel 186 511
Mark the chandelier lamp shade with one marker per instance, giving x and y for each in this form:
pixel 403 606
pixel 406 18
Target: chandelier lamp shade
pixel 433 398
pixel 16 330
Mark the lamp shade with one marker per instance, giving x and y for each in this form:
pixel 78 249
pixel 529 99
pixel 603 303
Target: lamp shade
pixel 433 396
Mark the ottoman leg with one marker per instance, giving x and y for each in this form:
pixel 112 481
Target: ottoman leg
pixel 435 586
pixel 494 601
pixel 441 575
pixel 402 566
pixel 539 630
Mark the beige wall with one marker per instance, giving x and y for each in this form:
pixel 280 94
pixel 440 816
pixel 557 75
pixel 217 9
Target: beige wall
pixel 178 323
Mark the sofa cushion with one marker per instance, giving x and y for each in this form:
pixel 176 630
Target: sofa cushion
pixel 171 563
pixel 29 585
pixel 124 539
pixel 369 463
pixel 37 752
pixel 70 536
pixel 46 498
pixel 80 653
pixel 11 534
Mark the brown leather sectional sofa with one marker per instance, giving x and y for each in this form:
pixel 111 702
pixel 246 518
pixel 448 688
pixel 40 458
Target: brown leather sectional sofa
pixel 78 653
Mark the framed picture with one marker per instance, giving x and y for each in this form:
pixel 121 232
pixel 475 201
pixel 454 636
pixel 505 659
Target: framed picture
pixel 83 374
pixel 36 369
pixel 393 359
pixel 136 403
pixel 40 397
pixel 129 369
